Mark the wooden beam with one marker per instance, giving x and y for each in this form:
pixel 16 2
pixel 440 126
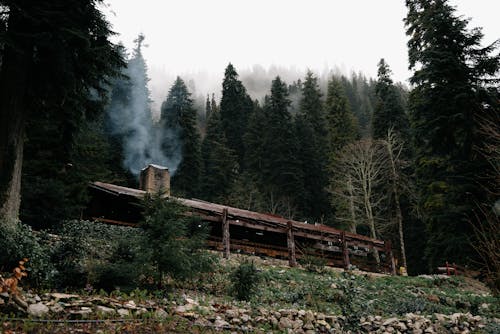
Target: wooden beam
pixel 225 234
pixel 292 261
pixel 345 252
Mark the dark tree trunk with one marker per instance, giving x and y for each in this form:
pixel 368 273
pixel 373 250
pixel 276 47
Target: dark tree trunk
pixel 13 107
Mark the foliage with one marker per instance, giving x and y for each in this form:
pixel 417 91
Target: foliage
pixel 89 252
pixel 235 109
pixel 454 79
pixel 19 241
pixel 245 280
pixel 179 116
pixel 174 243
pixel 9 285
pixel 312 262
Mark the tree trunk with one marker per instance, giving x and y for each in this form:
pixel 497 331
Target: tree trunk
pixel 352 227
pixel 13 88
pixel 395 190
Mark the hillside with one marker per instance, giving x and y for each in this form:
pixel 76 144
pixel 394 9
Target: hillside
pixel 309 299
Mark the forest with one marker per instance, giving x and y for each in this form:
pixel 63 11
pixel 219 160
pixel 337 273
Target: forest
pixel 417 165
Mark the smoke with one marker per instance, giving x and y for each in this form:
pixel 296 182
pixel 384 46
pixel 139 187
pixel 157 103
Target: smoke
pixel 144 139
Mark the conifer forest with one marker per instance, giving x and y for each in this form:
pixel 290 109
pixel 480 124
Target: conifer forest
pixel 415 163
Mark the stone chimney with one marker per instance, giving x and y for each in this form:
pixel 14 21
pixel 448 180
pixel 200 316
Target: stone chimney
pixel 155 178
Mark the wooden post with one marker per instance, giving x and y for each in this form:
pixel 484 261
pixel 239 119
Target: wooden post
pixel 225 234
pixel 390 256
pixel 292 261
pixel 345 251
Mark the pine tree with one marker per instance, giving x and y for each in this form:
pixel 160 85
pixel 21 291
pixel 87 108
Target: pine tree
pixel 280 170
pixel 219 162
pixel 450 69
pixel 310 130
pixel 389 112
pixel 208 109
pixel 55 59
pixel 179 116
pixel 341 125
pixel 235 109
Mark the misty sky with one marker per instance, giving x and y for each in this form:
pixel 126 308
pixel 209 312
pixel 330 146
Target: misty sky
pixel 200 36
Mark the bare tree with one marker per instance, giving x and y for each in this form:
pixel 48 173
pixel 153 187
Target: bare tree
pixel 394 148
pixel 361 168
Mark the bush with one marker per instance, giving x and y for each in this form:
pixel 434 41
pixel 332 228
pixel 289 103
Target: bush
pixel 18 241
pixel 103 256
pixel 313 263
pixel 245 280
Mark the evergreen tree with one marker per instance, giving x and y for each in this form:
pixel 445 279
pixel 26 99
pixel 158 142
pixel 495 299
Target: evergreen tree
pixel 341 125
pixel 450 69
pixel 280 170
pixel 389 112
pixel 208 109
pixel 179 116
pixel 55 59
pixel 235 109
pixel 219 162
pixel 310 129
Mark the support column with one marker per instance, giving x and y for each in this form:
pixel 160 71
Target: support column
pixel 292 261
pixel 390 256
pixel 345 251
pixel 225 234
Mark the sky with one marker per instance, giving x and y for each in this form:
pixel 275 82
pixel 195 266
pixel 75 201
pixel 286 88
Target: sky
pixel 198 38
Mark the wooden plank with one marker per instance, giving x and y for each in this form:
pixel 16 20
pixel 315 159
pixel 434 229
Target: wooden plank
pixel 345 252
pixel 114 222
pixel 292 260
pixel 225 234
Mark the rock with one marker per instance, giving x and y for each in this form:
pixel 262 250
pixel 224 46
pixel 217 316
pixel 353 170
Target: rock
pixel 104 310
pixel 274 321
pixel 231 313
pixel 63 296
pixel 440 317
pixel 38 310
pixel 122 312
pixel 191 301
pixel 323 323
pixel 334 286
pixel 433 298
pixel 320 316
pixel 309 316
pixel 285 323
pixel 160 314
pixel 219 323
pixel 308 325
pixel 245 317
pixel 130 305
pixel 389 321
pixel 297 324
pixel 236 321
pixel 37 298
pixel 301 313
pixel 56 308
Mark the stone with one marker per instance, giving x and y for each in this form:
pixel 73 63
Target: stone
pixel 38 310
pixel 245 317
pixel 308 325
pixel 130 305
pixel 219 323
pixel 104 310
pixel 63 296
pixel 285 323
pixel 301 313
pixel 320 316
pixel 309 316
pixel 389 321
pixel 236 321
pixel 56 308
pixel 297 324
pixel 323 323
pixel 122 312
pixel 274 321
pixel 231 313
pixel 160 314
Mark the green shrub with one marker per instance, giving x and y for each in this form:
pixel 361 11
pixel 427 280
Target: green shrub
pixel 18 241
pixel 245 280
pixel 312 262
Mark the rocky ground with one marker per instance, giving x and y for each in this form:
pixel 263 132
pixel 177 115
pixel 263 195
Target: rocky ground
pixel 287 301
